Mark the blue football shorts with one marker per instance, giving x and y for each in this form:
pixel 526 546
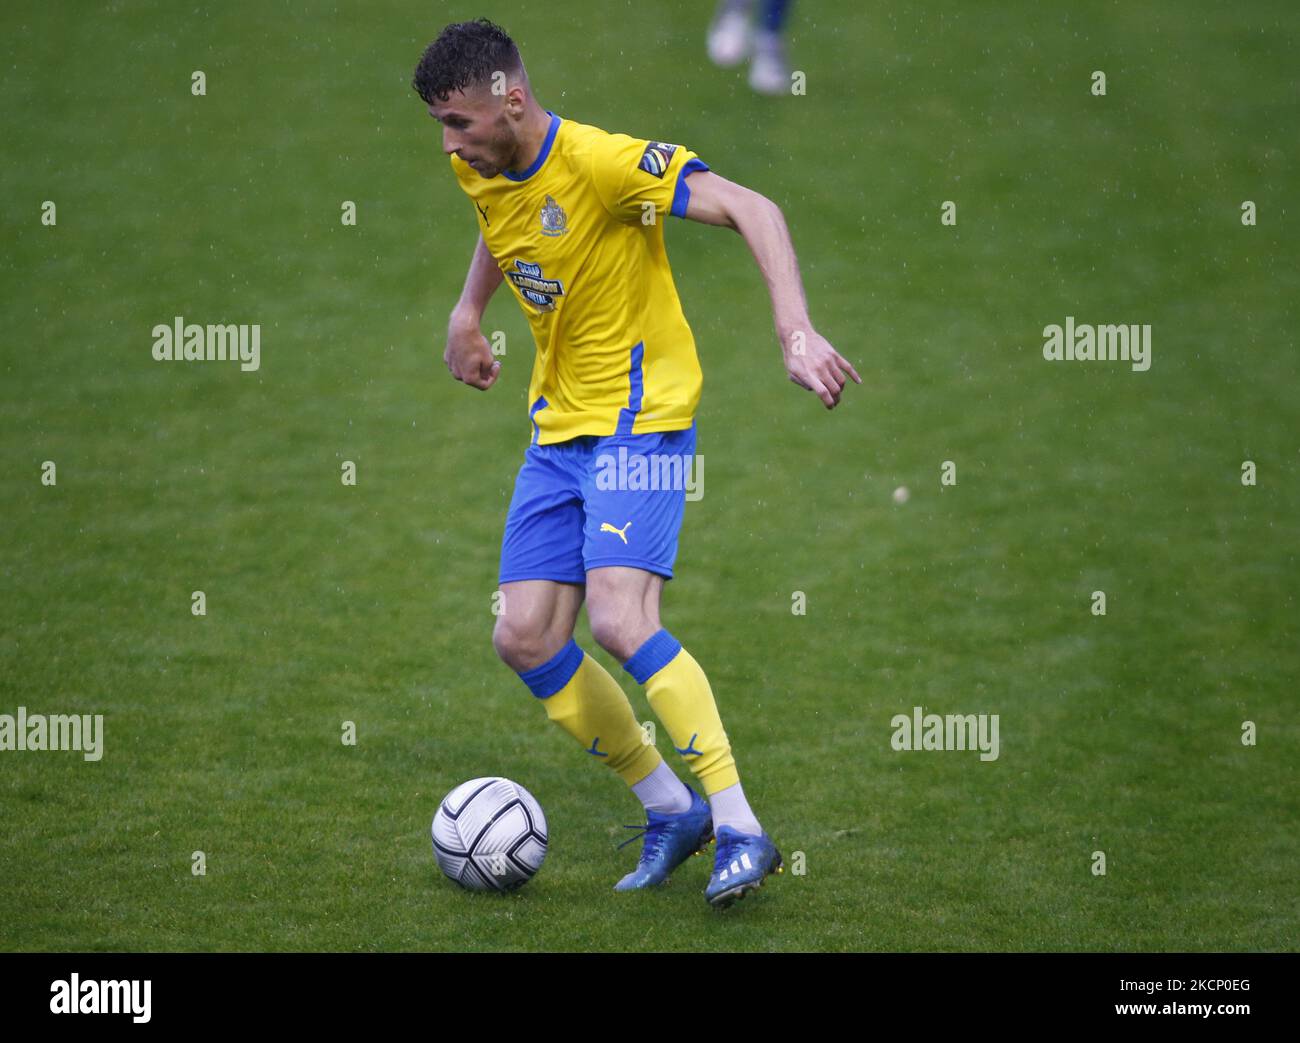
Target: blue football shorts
pixel 598 500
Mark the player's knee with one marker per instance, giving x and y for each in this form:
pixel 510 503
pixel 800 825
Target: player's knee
pixel 619 631
pixel 521 647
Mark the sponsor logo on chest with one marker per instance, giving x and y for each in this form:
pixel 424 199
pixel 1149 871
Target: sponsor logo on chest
pixel 534 286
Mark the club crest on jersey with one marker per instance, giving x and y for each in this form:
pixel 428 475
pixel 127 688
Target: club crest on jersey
pixel 534 287
pixel 656 157
pixel 554 220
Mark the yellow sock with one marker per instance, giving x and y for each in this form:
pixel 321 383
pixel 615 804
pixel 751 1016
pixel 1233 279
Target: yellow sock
pixel 680 696
pixel 582 698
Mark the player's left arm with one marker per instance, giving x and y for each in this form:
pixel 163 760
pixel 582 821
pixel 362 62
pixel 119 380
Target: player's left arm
pixel 810 359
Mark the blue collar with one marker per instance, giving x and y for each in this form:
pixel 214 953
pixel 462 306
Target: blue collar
pixel 541 155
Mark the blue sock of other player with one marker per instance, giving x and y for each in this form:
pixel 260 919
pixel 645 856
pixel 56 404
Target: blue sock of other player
pixel 774 14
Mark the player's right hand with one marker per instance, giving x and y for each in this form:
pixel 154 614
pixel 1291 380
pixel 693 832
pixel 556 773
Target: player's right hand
pixel 469 357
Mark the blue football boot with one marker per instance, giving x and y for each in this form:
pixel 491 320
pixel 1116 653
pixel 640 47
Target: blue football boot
pixel 743 861
pixel 669 841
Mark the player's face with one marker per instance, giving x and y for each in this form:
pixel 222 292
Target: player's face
pixel 476 128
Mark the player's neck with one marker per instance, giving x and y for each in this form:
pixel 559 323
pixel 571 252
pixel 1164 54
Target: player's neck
pixel 531 138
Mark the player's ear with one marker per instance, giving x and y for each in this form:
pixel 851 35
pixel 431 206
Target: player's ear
pixel 516 97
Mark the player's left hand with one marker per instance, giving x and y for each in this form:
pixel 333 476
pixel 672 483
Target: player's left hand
pixel 813 364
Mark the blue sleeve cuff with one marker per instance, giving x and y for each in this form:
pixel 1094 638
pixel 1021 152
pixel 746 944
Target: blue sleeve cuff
pixel 682 194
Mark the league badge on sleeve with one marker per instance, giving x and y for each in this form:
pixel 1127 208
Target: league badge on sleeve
pixel 656 157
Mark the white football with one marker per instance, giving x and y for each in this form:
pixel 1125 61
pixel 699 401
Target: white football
pixel 489 835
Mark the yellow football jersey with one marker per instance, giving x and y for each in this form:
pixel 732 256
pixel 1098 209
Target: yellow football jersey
pixel 579 236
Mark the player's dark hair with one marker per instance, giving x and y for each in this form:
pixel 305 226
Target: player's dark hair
pixel 465 54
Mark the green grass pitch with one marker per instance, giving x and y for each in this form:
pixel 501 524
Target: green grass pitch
pixel 327 603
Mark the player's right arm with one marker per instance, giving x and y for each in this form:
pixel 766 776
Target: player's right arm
pixel 468 355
